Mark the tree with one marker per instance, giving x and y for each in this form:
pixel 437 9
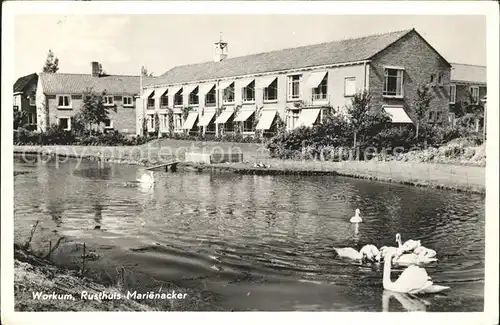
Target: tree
pixel 51 63
pixel 145 72
pixel 422 104
pixel 93 111
pixel 468 112
pixel 20 118
pixel 363 120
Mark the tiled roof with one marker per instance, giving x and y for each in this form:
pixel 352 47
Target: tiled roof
pixel 71 83
pixel 344 51
pixel 468 73
pixel 22 82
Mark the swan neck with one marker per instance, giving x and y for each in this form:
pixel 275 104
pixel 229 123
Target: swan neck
pixel 386 280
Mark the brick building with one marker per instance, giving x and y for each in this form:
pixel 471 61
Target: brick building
pixel 59 97
pixel 24 96
pixel 296 84
pixel 467 87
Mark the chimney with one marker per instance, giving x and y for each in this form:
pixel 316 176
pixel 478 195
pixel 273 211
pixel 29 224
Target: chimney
pixel 220 50
pixel 96 69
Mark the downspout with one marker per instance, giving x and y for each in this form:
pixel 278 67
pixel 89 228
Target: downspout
pixel 364 76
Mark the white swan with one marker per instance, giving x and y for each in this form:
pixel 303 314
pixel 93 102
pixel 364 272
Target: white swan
pixel 413 280
pixel 409 245
pixel 147 178
pixel 412 258
pixel 357 217
pixel 425 251
pixel 408 302
pixel 385 251
pixel 369 252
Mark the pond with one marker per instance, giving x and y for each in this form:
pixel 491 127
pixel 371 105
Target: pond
pixel 257 242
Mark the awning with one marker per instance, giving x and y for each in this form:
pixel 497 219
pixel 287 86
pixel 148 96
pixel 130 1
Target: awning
pixel 173 90
pixel 307 117
pixel 264 82
pixel 223 117
pixel 224 84
pixel 190 120
pixel 315 79
pixel 205 119
pixel 243 115
pixel 242 83
pixel 397 114
pixel 205 88
pixel 266 120
pixel 147 92
pixel 189 88
pixel 160 91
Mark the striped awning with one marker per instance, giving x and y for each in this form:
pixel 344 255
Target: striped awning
pixel 242 83
pixel 189 88
pixel 205 119
pixel 190 120
pixel 307 117
pixel 223 117
pixel 266 120
pixel 224 84
pixel 174 89
pixel 243 115
pixel 147 92
pixel 315 79
pixel 160 91
pixel 265 82
pixel 398 114
pixel 205 88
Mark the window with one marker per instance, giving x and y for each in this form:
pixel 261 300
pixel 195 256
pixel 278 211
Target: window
pixel 431 116
pixel 248 125
pixel 228 96
pixel 108 101
pixel 393 82
pixel 249 92
pixel 151 103
pixel 349 86
pixel 294 87
pixel 193 97
pixel 151 122
pixel 453 94
pixel 440 78
pixel 32 100
pixel 439 116
pixel 271 91
pixel 108 124
pixel 432 77
pixel 474 90
pixel 64 101
pixel 178 98
pixel 292 119
pixel 31 118
pixel 210 97
pixel 177 122
pixel 163 121
pixel 320 92
pixel 65 123
pixel 127 101
pixel 16 107
pixel 164 101
pixel 229 126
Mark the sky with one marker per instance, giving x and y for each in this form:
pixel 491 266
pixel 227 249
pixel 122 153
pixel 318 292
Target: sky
pixel 122 43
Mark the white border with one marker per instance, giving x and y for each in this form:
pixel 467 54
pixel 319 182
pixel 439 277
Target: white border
pixel 487 8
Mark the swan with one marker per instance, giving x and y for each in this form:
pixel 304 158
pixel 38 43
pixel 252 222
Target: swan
pixel 409 245
pixel 357 217
pixel 426 251
pixel 414 279
pixel 412 258
pixel 368 252
pixel 147 178
pixel 385 251
pixel 408 302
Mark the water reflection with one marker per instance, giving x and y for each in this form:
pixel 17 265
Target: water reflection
pixel 280 228
pixel 407 301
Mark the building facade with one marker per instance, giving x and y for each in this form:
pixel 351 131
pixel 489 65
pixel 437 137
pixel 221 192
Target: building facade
pixel 25 97
pixel 59 96
pixel 296 85
pixel 467 87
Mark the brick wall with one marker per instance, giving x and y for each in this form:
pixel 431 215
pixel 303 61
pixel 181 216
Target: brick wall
pixel 124 120
pixel 419 61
